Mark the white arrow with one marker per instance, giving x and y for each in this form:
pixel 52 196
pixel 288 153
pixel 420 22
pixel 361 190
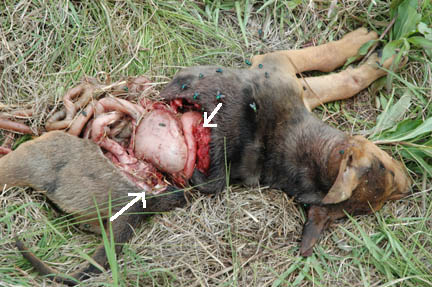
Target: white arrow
pixel 207 123
pixel 139 196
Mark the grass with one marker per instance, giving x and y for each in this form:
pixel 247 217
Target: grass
pixel 242 237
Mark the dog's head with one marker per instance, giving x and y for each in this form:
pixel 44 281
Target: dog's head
pixel 367 177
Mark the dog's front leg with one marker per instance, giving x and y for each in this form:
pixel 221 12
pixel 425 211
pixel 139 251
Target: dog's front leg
pixel 325 58
pixel 342 85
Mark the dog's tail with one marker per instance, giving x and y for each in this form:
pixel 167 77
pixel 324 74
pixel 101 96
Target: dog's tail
pixel 43 269
pixel 122 227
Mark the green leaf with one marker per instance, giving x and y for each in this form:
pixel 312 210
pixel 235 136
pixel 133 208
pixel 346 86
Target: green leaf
pixel 406 126
pixel 425 127
pixel 350 60
pixel 21 140
pixel 293 4
pixel 383 100
pixel 267 3
pixel 406 46
pixel 398 58
pixel 393 7
pixel 390 49
pixel 393 114
pixel 416 154
pixel 420 42
pixel 292 268
pixel 427 149
pixel 407 19
pixel 361 52
pixel 241 22
pixel 376 87
pixel 425 30
pixel 402 128
pixel 366 46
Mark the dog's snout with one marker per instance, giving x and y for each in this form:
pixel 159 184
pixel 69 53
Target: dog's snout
pixel 400 180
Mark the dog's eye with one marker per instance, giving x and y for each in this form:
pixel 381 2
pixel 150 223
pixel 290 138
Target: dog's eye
pixel 350 159
pixel 381 166
pixel 364 171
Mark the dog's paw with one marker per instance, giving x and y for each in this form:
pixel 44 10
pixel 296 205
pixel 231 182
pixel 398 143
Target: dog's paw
pixel 353 41
pixel 360 36
pixel 205 185
pixel 376 58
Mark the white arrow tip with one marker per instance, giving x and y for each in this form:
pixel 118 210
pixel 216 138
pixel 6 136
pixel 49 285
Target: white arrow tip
pixel 207 123
pixel 207 119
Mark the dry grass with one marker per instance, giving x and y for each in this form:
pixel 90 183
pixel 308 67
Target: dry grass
pixel 240 237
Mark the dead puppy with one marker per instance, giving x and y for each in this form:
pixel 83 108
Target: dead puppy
pixel 272 138
pixel 74 175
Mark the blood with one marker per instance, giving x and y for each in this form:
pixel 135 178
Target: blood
pixel 201 134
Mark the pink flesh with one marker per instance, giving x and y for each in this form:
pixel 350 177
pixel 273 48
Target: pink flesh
pixel 5 150
pixel 57 125
pixel 67 101
pixel 114 104
pixel 27 113
pixel 159 139
pixel 142 173
pixel 80 121
pixel 101 123
pixel 190 120
pixel 117 150
pixel 14 126
pixel 98 136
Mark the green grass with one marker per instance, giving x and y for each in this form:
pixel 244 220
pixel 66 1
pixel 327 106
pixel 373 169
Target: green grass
pixel 241 237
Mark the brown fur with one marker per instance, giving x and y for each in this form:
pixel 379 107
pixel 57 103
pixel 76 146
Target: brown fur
pixel 265 130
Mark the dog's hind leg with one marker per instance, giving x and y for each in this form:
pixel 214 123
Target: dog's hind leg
pixel 325 58
pixel 342 85
pixel 123 229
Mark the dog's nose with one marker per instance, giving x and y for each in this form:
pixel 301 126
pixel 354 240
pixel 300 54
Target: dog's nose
pixel 403 184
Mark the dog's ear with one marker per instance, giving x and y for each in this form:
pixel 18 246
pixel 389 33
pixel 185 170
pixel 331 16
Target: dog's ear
pixel 317 222
pixel 370 171
pixel 350 171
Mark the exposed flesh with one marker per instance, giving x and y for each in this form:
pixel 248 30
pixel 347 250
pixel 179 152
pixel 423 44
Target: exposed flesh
pixel 159 139
pixel 190 121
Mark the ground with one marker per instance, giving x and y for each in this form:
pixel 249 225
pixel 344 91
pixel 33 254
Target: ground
pixel 241 237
